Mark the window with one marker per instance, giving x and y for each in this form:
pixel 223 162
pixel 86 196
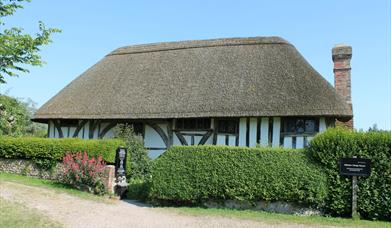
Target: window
pixel 228 126
pixel 193 124
pixel 69 123
pixel 301 125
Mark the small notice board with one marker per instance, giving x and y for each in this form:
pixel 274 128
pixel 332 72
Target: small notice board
pixel 355 167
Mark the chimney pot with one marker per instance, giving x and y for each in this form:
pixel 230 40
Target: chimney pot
pixel 341 55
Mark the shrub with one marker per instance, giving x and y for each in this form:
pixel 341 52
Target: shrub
pixel 15 115
pixel 193 174
pixel 140 163
pixel 83 172
pixel 374 196
pixel 138 189
pixel 45 151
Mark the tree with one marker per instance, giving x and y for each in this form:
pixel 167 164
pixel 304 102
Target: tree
pixel 15 118
pixel 18 48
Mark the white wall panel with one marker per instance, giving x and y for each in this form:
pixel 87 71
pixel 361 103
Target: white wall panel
pixel 188 139
pixel 64 132
pixel 71 131
pixel 253 132
pixel 152 138
pixel 96 131
pixel 210 140
pixel 220 140
pixel 242 131
pixel 51 129
pixel 232 140
pixel 276 131
pixel 109 134
pixel 265 131
pixel 322 124
pixel 155 153
pixel 299 142
pixel 176 140
pixel 86 130
pixel 197 139
pixel 287 142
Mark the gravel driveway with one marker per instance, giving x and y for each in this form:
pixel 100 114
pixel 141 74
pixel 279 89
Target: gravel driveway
pixel 73 211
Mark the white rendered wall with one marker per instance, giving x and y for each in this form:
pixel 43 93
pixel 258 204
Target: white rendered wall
pixel 322 124
pixel 242 131
pixel 264 131
pixel 253 132
pixel 153 140
pixel 276 131
pixel 222 140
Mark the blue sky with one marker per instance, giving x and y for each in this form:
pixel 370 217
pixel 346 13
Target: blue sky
pixel 91 29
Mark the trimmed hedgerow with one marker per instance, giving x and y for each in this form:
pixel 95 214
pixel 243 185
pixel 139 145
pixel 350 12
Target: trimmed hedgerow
pixel 44 149
pixel 193 174
pixel 374 196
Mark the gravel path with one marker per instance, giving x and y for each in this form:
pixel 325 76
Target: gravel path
pixel 76 212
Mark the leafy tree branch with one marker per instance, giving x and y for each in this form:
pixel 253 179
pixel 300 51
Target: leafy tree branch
pixel 17 48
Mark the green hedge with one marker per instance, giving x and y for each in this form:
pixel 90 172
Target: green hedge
pixel 374 196
pixel 193 174
pixel 54 149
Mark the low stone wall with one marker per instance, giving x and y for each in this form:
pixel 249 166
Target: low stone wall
pixel 29 168
pixel 278 207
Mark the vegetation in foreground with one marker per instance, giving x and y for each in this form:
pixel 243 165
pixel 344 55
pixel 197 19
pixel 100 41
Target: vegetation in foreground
pixel 275 218
pixel 58 187
pixel 272 218
pixel 16 215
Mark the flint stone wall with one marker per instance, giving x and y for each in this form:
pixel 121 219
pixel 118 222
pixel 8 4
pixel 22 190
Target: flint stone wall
pixel 278 207
pixel 29 168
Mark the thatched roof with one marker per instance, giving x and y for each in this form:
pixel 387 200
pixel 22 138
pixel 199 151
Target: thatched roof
pixel 260 76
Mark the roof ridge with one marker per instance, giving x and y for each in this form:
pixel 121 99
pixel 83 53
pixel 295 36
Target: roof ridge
pixel 189 44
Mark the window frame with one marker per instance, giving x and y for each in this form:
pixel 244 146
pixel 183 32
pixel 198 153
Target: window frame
pixel 220 120
pixel 285 122
pixel 180 124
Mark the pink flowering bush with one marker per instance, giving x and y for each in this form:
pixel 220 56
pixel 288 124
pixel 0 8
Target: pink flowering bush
pixel 83 172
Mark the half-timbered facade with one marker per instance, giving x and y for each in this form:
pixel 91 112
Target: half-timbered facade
pixel 237 92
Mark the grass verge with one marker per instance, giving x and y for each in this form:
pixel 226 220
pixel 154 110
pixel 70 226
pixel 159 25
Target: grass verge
pixel 49 184
pixel 275 218
pixel 16 215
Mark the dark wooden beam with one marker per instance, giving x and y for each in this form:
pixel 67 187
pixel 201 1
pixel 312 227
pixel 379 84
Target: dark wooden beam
pixel 214 130
pixel 93 124
pixel 49 129
pixel 181 138
pixel 205 137
pixel 107 129
pixel 155 148
pixel 79 127
pixel 170 133
pixel 57 124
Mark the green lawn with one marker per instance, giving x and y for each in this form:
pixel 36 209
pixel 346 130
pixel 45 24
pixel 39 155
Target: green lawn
pixel 12 211
pixel 274 218
pixel 15 215
pixel 58 187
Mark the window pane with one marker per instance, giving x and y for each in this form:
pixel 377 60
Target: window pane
pixel 310 126
pixel 300 126
pixel 228 126
pixel 193 124
pixel 294 125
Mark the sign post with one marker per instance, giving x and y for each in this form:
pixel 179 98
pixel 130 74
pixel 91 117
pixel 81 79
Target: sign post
pixel 354 167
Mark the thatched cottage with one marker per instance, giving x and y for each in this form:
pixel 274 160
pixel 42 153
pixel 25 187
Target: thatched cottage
pixel 239 91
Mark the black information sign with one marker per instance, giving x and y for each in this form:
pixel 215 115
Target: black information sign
pixel 355 167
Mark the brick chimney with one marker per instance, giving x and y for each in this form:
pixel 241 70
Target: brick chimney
pixel 342 54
